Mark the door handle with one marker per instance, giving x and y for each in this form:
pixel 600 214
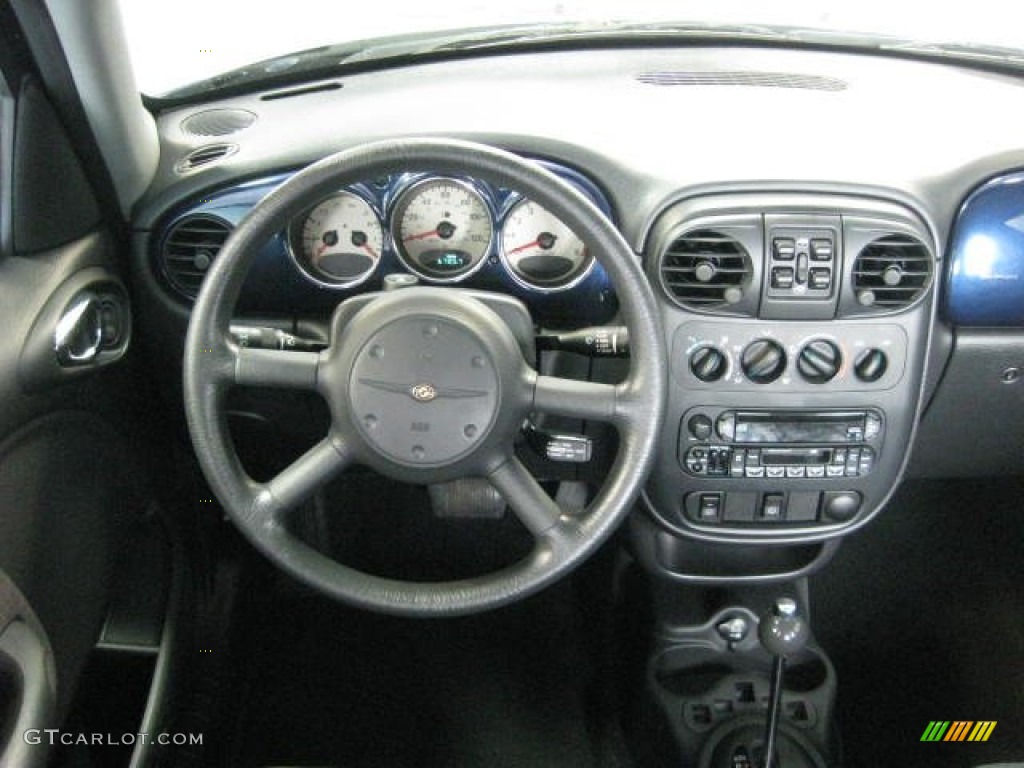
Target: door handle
pixel 79 333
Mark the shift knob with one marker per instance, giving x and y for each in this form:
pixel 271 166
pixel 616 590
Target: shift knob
pixel 783 631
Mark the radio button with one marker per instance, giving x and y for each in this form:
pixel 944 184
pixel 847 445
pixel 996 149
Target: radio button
pixel 872 426
pixel 739 458
pixel 700 426
pixel 726 426
pixel 867 461
pixel 839 456
pixel 754 457
pixel 775 472
pixel 834 471
pixel 755 471
pixel 796 471
pixel 817 470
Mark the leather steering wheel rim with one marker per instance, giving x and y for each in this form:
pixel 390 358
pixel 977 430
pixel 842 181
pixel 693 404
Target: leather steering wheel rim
pixel 213 363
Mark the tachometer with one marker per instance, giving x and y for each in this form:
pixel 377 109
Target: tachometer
pixel 339 242
pixel 540 250
pixel 442 229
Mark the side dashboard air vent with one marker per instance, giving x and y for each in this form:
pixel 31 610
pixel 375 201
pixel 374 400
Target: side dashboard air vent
pixel 189 249
pixel 217 122
pixel 706 269
pixel 203 156
pixel 891 272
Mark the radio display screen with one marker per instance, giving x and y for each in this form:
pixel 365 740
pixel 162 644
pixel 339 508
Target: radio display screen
pixel 796 427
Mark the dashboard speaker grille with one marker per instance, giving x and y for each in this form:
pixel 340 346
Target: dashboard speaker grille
pixel 211 153
pixel 744 78
pixel 217 122
pixel 891 272
pixel 706 269
pixel 189 249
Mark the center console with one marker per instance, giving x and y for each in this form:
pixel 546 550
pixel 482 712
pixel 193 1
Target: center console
pixel 798 328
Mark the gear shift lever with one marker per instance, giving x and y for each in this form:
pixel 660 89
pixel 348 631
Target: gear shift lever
pixel 782 632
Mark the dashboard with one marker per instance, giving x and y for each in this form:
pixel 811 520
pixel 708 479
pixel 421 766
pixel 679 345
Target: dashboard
pixel 834 241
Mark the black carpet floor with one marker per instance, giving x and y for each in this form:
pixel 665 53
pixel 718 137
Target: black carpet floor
pixel 923 614
pixel 331 686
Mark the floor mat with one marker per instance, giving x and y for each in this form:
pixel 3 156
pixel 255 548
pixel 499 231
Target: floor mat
pixel 326 685
pixel 923 615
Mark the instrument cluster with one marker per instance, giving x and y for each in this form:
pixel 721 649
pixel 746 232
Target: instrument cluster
pixel 443 229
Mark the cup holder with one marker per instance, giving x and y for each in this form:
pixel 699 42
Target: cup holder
pixel 711 685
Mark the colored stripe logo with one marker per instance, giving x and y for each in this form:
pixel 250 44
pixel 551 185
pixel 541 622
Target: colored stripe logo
pixel 958 730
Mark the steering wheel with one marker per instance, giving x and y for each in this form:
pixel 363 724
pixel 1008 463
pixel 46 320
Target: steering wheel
pixel 425 385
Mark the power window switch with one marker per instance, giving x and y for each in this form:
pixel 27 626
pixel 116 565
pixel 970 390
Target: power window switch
pixel 821 278
pixel 821 249
pixel 784 247
pixel 782 278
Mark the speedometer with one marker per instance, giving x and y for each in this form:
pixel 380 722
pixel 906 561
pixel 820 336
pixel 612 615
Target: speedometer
pixel 339 242
pixel 540 250
pixel 442 229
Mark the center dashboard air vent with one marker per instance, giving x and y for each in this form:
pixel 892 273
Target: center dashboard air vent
pixel 891 273
pixel 189 249
pixel 706 269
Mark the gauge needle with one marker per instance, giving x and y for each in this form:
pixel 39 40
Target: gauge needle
pixel 519 248
pixel 420 236
pixel 370 250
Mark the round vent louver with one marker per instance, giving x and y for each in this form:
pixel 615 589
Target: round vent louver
pixel 217 122
pixel 189 249
pixel 891 272
pixel 204 156
pixel 706 269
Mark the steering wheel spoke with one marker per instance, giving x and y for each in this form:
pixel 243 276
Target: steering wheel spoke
pixel 276 368
pixel 589 400
pixel 534 508
pixel 302 478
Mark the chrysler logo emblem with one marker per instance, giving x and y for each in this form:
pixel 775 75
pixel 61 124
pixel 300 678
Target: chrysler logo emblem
pixel 423 393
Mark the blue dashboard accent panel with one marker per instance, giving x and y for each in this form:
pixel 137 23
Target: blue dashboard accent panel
pixel 985 277
pixel 276 286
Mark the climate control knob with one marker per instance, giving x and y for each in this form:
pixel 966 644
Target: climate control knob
pixel 763 361
pixel 870 365
pixel 819 361
pixel 708 364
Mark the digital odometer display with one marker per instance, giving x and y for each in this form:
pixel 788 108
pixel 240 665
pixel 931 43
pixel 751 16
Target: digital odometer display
pixel 442 229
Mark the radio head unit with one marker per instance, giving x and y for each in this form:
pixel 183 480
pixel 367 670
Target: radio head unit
pixel 817 427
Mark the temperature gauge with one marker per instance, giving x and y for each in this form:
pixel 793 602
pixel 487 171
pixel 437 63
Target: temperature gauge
pixel 339 242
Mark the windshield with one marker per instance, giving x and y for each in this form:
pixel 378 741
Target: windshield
pixel 187 41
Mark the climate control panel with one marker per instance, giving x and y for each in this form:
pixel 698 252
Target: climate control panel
pixel 791 357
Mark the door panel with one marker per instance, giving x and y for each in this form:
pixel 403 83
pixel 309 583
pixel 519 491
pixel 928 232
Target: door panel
pixel 69 483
